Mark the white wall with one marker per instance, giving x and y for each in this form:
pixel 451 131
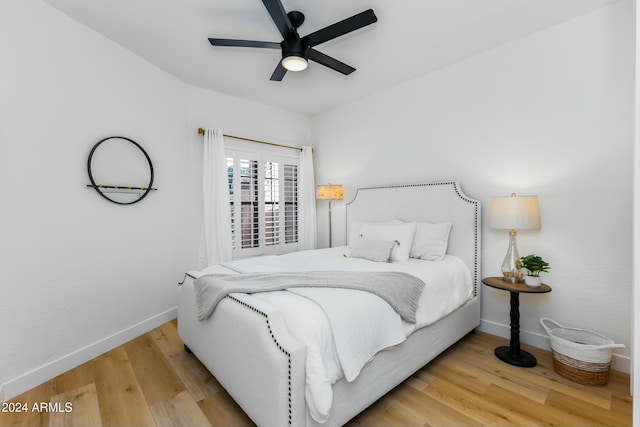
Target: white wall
pixel 549 114
pixel 81 275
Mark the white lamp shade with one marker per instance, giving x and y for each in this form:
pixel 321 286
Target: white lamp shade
pixel 515 213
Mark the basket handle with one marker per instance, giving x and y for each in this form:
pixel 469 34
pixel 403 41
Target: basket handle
pixel 546 319
pixel 604 346
pixel 594 347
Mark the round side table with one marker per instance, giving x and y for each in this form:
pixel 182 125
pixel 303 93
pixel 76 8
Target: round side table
pixel 513 354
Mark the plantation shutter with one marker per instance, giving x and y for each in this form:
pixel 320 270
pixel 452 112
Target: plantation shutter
pixel 263 196
pixel 290 203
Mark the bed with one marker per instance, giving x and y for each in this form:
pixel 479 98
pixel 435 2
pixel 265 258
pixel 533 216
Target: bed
pixel 253 347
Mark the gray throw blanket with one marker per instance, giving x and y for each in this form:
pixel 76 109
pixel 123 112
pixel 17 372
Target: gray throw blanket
pixel 400 290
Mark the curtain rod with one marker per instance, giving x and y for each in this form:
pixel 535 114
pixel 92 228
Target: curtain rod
pixel 201 132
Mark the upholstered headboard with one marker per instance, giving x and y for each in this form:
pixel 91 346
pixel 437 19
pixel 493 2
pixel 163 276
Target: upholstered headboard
pixel 429 202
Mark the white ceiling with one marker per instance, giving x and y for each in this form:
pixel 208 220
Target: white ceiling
pixel 411 37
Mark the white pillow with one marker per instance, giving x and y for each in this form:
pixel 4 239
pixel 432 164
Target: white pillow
pixel 373 250
pixel 430 241
pixel 400 232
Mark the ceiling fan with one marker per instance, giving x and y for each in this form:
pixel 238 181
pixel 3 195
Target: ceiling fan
pixel 296 50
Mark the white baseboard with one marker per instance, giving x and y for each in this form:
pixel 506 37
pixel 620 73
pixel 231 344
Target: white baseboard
pixel 618 362
pixel 31 379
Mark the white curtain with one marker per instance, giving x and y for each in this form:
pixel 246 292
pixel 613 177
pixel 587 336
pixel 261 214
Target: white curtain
pixel 307 228
pixel 215 243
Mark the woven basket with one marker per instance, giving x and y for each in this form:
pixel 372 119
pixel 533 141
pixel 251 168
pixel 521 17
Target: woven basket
pixel 580 355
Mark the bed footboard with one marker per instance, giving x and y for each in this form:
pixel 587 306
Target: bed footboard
pixel 248 348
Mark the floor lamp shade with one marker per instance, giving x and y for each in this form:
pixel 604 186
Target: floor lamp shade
pixel 514 213
pixel 330 192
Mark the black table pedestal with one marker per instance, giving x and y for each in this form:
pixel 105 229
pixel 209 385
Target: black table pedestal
pixel 524 360
pixel 513 354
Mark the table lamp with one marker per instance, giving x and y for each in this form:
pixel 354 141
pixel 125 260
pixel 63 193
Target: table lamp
pixel 329 192
pixel 514 213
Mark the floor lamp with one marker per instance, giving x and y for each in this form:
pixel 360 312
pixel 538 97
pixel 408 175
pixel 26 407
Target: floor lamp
pixel 329 192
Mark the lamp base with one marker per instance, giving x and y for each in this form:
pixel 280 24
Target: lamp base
pixel 511 277
pixel 511 266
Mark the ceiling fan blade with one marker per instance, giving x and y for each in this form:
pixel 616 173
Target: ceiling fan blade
pixel 330 62
pixel 278 73
pixel 243 43
pixel 280 18
pixel 343 27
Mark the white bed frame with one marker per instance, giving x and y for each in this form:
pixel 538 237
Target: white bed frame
pixel 247 347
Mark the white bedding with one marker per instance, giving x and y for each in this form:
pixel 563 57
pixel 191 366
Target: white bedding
pixel 448 286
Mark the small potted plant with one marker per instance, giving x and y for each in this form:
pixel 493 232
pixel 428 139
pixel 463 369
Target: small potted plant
pixel 534 266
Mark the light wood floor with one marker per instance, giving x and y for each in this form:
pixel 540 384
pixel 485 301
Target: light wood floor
pixel 151 381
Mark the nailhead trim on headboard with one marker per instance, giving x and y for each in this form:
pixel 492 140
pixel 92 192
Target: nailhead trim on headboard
pixel 286 353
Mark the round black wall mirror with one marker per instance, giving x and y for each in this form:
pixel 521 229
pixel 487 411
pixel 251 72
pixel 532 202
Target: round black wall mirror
pixel 120 170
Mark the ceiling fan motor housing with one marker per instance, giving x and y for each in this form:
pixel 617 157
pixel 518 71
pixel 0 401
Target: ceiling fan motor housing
pixel 295 48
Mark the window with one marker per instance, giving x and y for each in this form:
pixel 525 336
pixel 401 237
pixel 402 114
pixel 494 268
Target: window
pixel 263 198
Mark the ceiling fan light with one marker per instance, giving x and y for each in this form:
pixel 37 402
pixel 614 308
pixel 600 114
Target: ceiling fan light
pixel 294 63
